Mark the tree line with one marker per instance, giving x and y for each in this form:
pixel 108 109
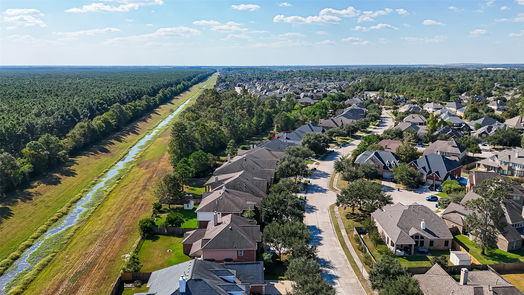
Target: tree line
pixel 51 150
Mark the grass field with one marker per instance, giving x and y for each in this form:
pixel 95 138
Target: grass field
pixel 190 217
pixel 154 253
pixel 493 256
pixel 23 212
pixel 516 279
pixel 92 260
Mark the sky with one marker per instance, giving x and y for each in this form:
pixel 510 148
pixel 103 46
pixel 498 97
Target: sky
pixel 260 32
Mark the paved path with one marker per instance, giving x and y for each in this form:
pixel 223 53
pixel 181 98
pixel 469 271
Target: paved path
pixel 337 270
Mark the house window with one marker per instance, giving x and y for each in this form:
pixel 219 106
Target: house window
pixel 421 244
pixel 516 198
pixel 240 253
pixel 431 243
pixel 446 243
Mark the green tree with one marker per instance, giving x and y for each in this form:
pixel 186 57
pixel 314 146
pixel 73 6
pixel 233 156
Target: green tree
pixel 299 151
pixel 385 270
pixel 133 264
pixel 283 237
pixel 440 260
pixel 37 155
pixel 433 123
pixel 169 190
pixel 232 148
pixel 407 152
pixel 407 175
pixel 486 218
pixel 302 267
pixel 174 219
pixel 316 142
pixel 451 186
pixel 286 185
pixel 146 226
pixel 505 137
pixel 201 162
pixel 182 142
pixel 314 285
pixel 289 166
pixel 471 143
pixel 365 194
pixel 184 169
pixel 281 207
pixel 402 285
pixel 54 148
pixel 10 173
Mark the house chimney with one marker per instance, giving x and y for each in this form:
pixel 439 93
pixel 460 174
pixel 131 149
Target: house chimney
pixel 215 218
pixel 464 276
pixel 182 284
pixel 228 158
pixel 216 178
pixel 423 224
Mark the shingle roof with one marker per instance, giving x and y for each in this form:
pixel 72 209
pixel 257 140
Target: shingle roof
pixel 241 181
pixel 444 146
pixel 447 130
pixel 353 113
pixel 390 145
pixel 296 136
pixel 225 200
pixel 415 118
pixel 259 162
pixel 409 108
pixel 275 145
pixel 400 222
pixel 515 122
pixel 204 277
pixel 483 122
pixel 387 159
pixel 433 105
pixel 438 164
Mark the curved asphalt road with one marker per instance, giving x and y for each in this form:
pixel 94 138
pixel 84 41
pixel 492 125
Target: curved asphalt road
pixel 336 268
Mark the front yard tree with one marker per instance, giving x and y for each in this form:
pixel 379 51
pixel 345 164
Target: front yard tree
pixel 406 175
pixel 299 151
pixel 365 194
pixel 302 268
pixel 505 137
pixel 281 207
pixel 403 285
pixel 315 285
pixel 169 190
pixel 387 269
pixel 290 166
pixel 471 143
pixel 316 142
pixel 451 186
pixel 407 152
pixel 283 236
pixel 486 218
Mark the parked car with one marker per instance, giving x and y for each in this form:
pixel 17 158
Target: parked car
pixel 432 198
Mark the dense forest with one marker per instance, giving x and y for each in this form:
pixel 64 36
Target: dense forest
pixel 48 114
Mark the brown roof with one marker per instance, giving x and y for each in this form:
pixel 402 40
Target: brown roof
pixel 390 145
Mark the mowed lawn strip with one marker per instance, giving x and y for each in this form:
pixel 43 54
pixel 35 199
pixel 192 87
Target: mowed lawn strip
pixel 160 252
pixel 21 214
pixel 92 260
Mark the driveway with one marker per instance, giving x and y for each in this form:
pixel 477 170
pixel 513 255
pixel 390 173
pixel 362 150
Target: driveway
pixel 407 197
pixel 336 268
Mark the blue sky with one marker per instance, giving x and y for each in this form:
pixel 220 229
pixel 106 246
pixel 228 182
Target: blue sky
pixel 293 32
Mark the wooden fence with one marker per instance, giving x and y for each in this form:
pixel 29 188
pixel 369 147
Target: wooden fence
pixel 357 231
pixel 129 277
pixel 170 230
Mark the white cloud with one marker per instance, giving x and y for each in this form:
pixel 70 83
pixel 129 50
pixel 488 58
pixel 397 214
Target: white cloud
pixel 455 9
pixel 160 33
pixel 519 34
pixel 326 15
pixel 520 2
pixel 355 41
pixel 25 17
pixel 326 42
pixel 375 27
pixel 427 40
pixel 518 19
pixel 369 16
pixel 430 22
pixel 478 32
pixel 402 11
pixel 242 7
pixel 285 4
pixel 91 32
pixel 214 25
pixel 290 35
pixel 121 6
pixel 321 33
pixel 488 3
pixel 504 8
pixel 150 25
pixel 350 39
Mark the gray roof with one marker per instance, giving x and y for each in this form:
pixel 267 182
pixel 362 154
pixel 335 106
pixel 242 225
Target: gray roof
pixel 415 118
pixel 434 163
pixel 241 181
pixel 488 129
pixel 409 108
pixel 204 277
pixel 514 155
pixel 259 162
pixel 454 105
pixel 453 120
pixel 436 281
pixel 400 222
pixel 447 130
pixel 444 146
pixel 296 136
pixel 455 213
pixel 231 232
pixel 390 144
pixel 353 113
pixel 276 145
pixel 483 122
pixel 386 159
pixel 403 126
pixel 335 122
pixel 433 105
pixel 225 200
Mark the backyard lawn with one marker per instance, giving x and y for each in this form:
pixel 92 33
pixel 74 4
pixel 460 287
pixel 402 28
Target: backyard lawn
pixel 493 256
pixel 516 279
pixel 160 252
pixel 190 217
pixel 132 291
